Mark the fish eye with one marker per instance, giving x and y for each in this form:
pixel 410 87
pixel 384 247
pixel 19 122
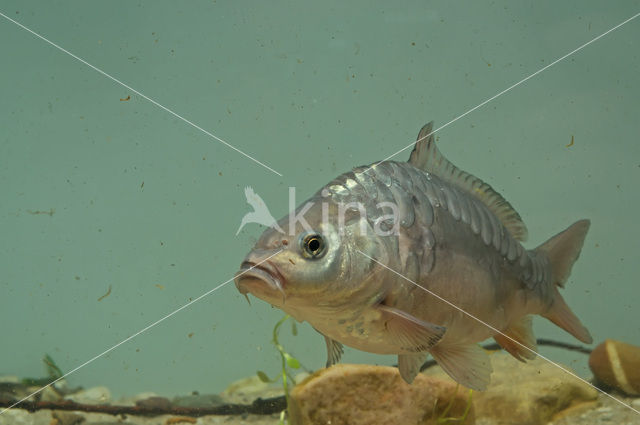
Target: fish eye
pixel 313 245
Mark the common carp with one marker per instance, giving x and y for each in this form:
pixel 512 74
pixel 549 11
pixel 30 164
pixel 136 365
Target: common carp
pixel 415 258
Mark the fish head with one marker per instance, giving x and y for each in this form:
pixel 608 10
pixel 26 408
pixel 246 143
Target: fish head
pixel 313 266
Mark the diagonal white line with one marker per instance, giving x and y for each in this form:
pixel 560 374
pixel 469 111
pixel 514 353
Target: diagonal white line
pixel 497 331
pixel 507 89
pixel 140 94
pixel 137 333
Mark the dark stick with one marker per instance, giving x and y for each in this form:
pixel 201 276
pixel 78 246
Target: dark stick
pixel 258 407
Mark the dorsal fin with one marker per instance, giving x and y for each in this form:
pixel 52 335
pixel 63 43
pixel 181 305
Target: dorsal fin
pixel 427 157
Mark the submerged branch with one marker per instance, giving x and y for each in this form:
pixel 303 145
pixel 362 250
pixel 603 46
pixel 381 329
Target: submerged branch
pixel 258 407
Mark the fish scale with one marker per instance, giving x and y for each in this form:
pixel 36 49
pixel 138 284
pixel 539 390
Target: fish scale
pixel 378 184
pixel 534 273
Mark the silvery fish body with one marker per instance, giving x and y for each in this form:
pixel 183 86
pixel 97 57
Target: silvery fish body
pixel 415 258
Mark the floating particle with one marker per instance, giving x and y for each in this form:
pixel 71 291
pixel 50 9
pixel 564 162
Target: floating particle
pixel 105 295
pixel 38 212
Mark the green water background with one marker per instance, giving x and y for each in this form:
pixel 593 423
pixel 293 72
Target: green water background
pixel 311 89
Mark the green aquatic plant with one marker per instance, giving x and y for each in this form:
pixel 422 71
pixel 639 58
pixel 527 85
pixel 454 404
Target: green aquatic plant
pixel 53 373
pixel 288 362
pixel 444 419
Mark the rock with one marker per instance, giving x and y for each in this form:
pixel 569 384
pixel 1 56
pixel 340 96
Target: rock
pixel 301 376
pixel 249 385
pixel 617 364
pixel 9 379
pixel 95 395
pixel 526 393
pixel 131 400
pixel 66 418
pixel 12 391
pixel 361 394
pixel 244 391
pixel 62 387
pixel 606 411
pixel 575 410
pixel 23 417
pixel 154 402
pixel 199 400
pixel 50 394
pixel 19 390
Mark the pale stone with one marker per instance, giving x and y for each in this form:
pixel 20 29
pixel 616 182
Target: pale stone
pixel 244 391
pixel 617 364
pixel 95 395
pixel 154 403
pixel 131 401
pixel 9 379
pixel 66 418
pixel 301 376
pixel 360 394
pixel 528 393
pixel 22 417
pixel 249 385
pixel 62 386
pixel 575 410
pixel 199 400
pixel 49 394
pixel 143 396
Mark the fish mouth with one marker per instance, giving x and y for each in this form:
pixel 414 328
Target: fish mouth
pixel 252 277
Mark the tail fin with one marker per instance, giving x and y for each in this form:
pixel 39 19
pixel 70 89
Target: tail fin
pixel 563 250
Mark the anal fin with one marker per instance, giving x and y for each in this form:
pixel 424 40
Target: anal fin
pixel 469 365
pixel 410 364
pixel 519 340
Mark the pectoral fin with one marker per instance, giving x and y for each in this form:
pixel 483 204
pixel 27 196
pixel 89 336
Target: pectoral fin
pixel 410 364
pixel 469 365
pixel 409 332
pixel 334 351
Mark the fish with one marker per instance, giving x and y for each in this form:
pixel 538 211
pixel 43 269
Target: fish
pixel 414 259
